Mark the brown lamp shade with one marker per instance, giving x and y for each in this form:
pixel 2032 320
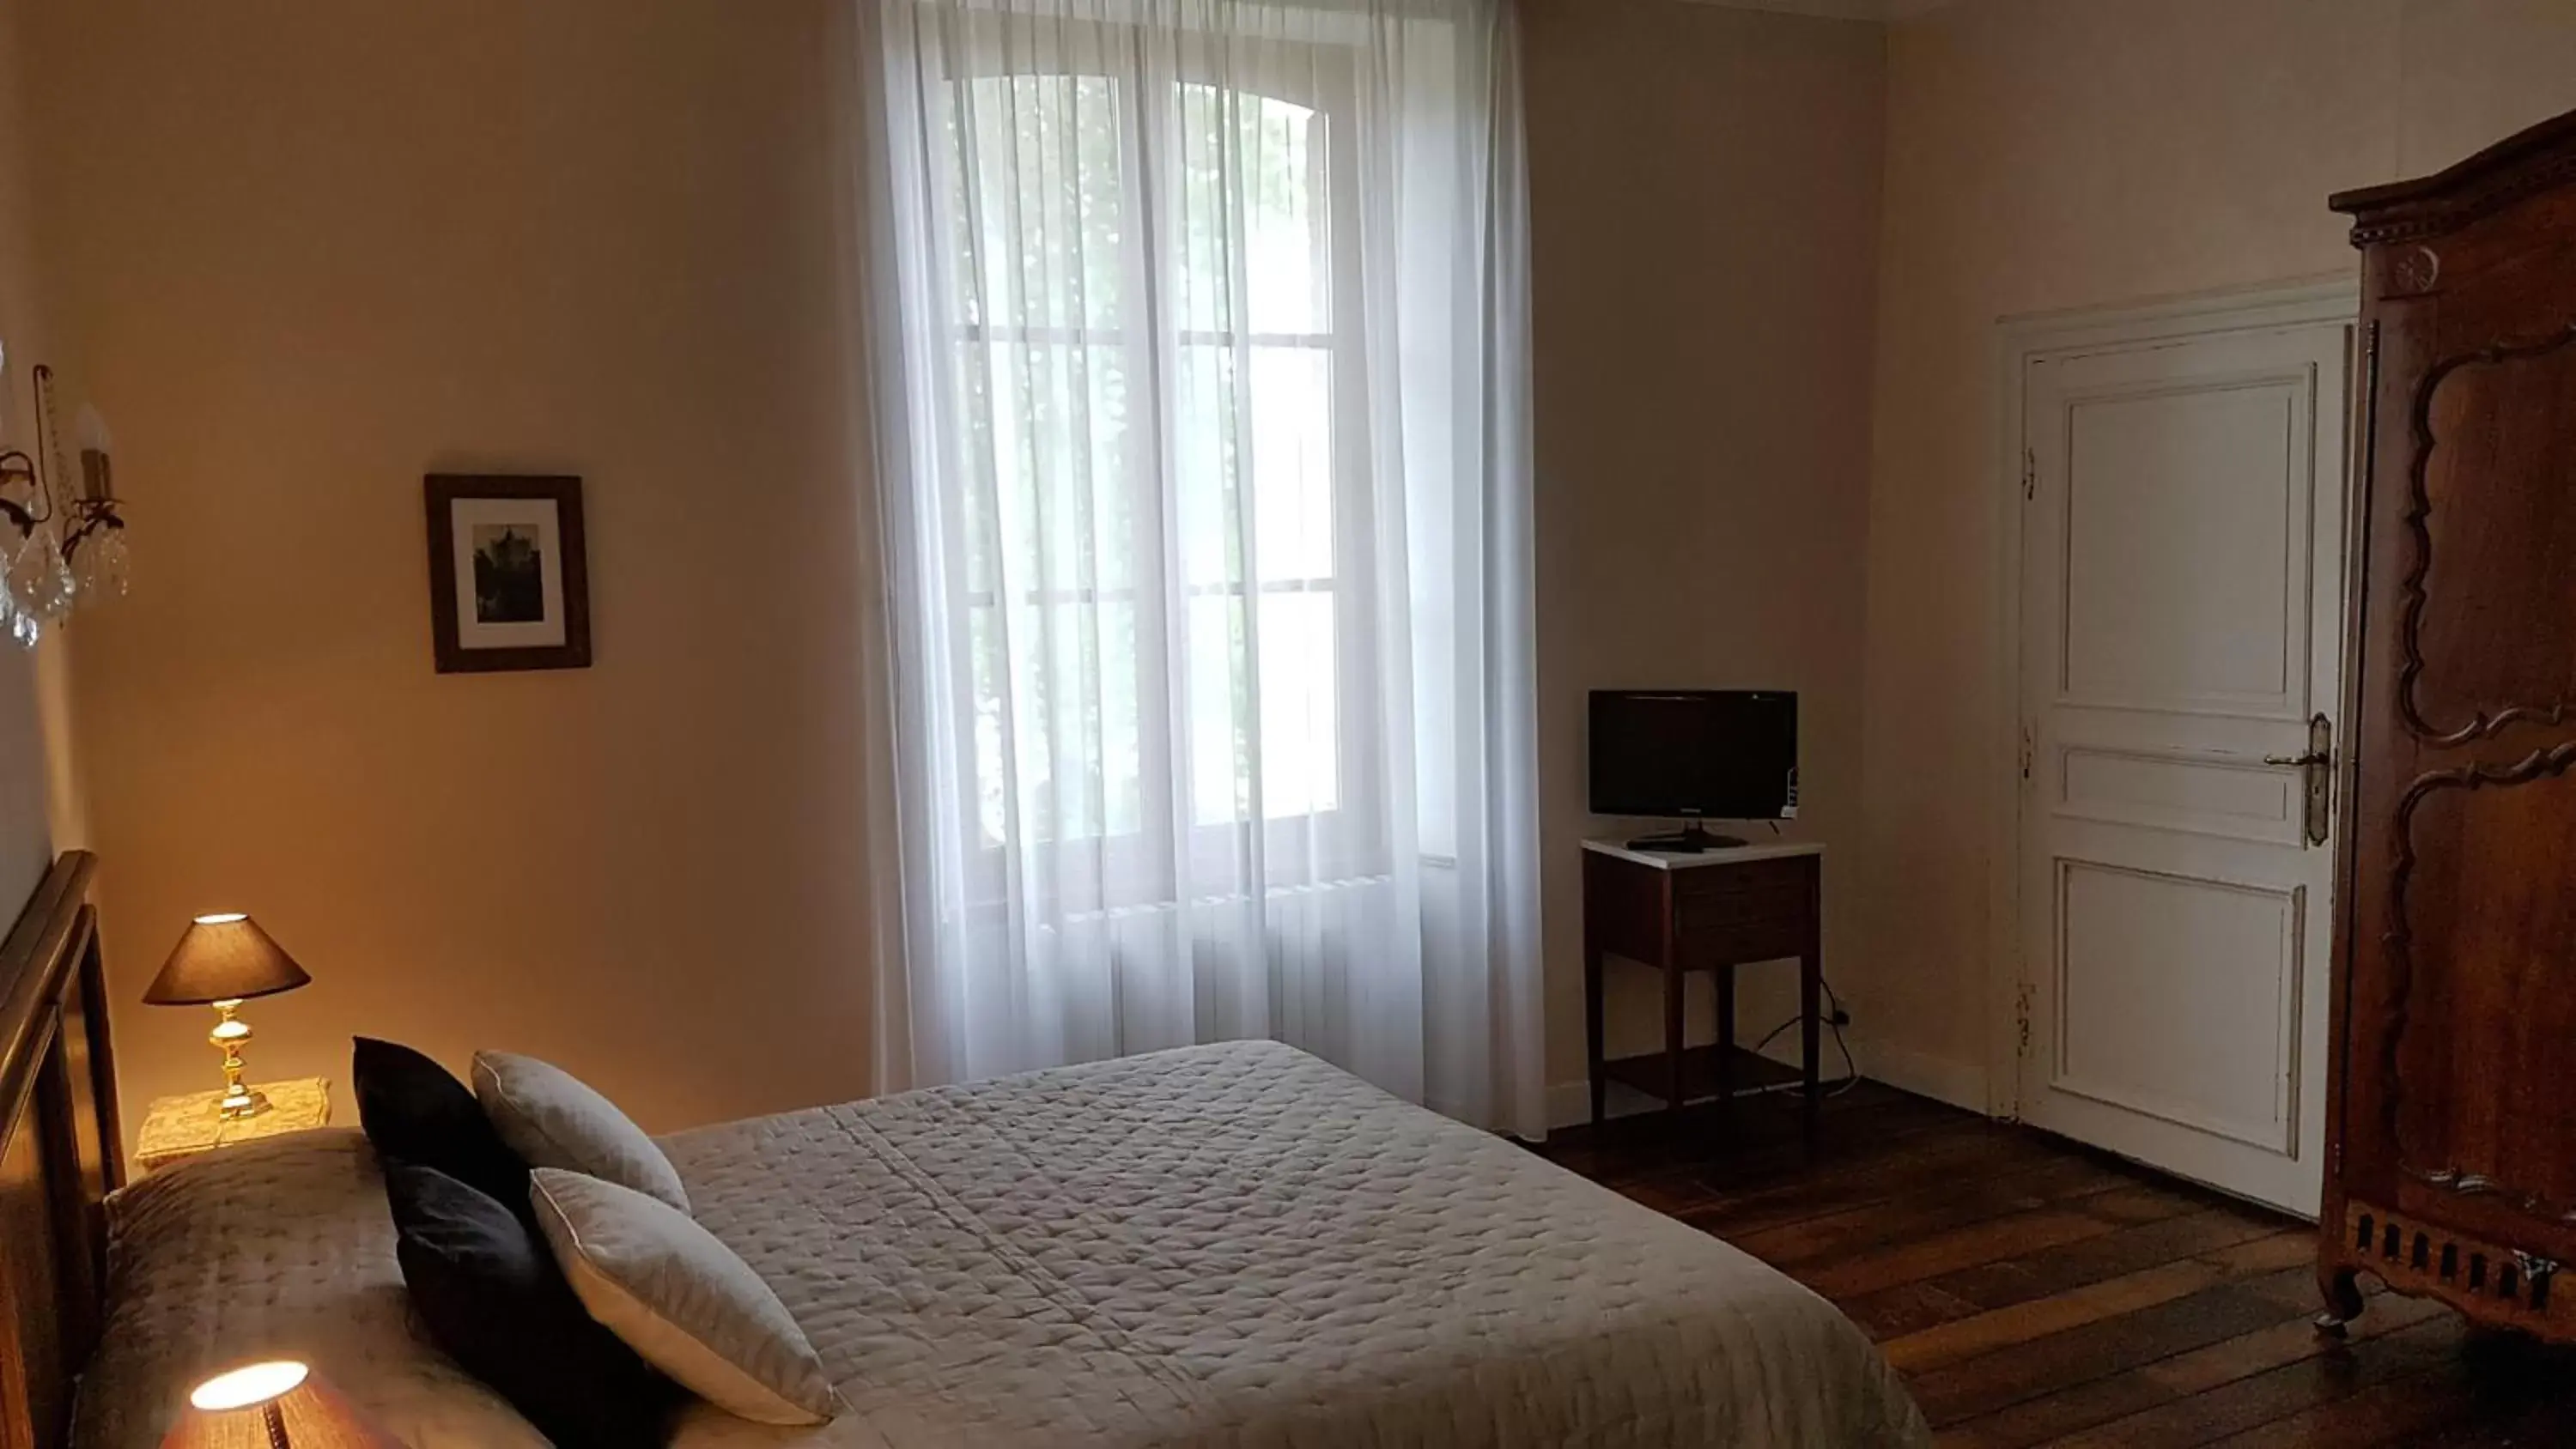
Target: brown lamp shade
pixel 273 1406
pixel 223 958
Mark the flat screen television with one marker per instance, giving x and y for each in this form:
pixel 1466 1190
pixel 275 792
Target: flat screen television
pixel 1694 754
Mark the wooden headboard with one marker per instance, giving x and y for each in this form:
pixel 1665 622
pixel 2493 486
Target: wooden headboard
pixel 61 1153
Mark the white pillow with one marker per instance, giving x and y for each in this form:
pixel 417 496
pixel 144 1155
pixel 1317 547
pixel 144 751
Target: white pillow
pixel 548 1117
pixel 687 1303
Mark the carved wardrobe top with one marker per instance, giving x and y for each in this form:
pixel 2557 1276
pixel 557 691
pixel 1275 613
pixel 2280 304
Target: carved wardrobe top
pixel 2514 168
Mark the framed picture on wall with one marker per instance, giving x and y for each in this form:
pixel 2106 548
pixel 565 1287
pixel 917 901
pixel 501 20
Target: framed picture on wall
pixel 508 585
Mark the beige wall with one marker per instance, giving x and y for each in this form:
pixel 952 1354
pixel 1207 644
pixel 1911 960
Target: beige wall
pixel 315 250
pixel 1704 198
pixel 39 798
pixel 2045 155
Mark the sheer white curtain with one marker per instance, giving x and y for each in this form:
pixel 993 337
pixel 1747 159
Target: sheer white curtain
pixel 1199 346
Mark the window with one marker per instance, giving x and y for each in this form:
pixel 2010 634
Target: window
pixel 1164 584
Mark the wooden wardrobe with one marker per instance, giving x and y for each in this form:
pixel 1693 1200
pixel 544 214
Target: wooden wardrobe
pixel 2451 1162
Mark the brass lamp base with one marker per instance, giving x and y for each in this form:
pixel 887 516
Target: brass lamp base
pixel 230 1035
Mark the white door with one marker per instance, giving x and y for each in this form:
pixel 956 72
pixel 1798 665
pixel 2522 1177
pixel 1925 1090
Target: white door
pixel 2183 548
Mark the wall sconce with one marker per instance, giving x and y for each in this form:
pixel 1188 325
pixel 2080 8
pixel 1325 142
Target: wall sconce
pixel 70 550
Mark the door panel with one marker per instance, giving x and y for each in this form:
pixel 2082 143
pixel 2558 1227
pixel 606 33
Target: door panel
pixel 2182 591
pixel 2203 794
pixel 2183 548
pixel 2178 998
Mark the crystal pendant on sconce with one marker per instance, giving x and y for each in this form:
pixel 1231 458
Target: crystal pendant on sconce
pixel 24 627
pixel 60 591
pixel 30 575
pixel 100 567
pixel 50 576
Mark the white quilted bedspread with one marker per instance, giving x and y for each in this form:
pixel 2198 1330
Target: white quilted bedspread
pixel 1233 1245
pixel 280 1248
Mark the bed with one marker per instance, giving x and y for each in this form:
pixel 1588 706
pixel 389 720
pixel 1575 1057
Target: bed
pixel 1235 1244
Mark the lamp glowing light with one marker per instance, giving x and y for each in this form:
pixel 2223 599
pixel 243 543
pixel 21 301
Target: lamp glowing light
pixel 248 1388
pixel 278 1404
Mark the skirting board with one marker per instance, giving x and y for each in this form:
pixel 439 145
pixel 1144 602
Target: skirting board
pixel 1960 1084
pixel 1882 11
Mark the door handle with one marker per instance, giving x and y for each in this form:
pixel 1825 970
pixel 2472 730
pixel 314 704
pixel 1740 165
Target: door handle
pixel 2317 769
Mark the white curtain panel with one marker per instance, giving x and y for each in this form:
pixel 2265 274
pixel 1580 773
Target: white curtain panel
pixel 1200 349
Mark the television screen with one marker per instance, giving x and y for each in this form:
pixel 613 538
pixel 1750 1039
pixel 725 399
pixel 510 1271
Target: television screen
pixel 1705 754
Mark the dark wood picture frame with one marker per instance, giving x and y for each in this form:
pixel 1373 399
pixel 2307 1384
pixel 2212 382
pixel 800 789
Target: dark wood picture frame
pixel 444 491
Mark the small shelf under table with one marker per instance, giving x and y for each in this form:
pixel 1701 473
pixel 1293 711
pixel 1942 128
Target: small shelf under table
pixel 1753 1074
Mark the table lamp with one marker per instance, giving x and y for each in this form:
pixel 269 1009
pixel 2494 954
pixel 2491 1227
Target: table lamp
pixel 223 961
pixel 272 1406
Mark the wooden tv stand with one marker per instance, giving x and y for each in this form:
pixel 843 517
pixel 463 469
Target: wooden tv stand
pixel 1713 911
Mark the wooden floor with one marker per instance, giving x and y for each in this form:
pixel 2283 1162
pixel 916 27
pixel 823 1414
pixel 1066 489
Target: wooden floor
pixel 2033 1292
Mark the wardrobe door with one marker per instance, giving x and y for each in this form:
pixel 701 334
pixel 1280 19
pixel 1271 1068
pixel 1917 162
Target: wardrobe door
pixel 2455 1162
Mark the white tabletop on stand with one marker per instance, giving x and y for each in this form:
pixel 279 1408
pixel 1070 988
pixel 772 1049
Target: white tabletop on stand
pixel 1728 855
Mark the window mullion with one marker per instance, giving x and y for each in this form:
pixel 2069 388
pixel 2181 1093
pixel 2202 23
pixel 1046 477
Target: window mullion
pixel 1162 632
pixel 978 511
pixel 1233 196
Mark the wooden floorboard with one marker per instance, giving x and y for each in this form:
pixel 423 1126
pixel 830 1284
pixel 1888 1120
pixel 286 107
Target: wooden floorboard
pixel 2033 1292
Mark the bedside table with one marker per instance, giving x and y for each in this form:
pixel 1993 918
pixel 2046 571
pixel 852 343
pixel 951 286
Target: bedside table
pixel 1713 911
pixel 182 1127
